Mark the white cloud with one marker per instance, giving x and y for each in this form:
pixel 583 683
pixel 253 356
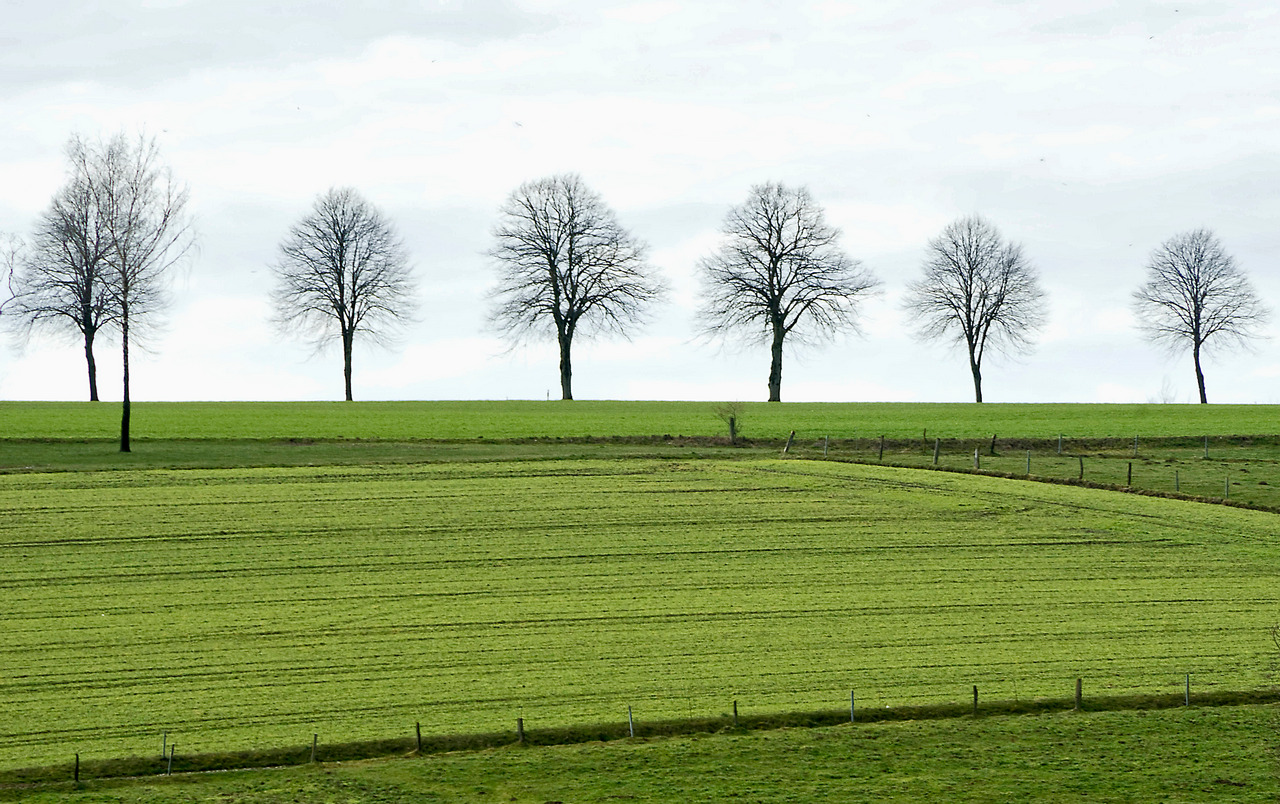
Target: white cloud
pixel 1088 135
pixel 1118 392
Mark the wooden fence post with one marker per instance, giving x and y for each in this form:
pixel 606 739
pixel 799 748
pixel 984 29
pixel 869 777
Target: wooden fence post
pixel 881 456
pixel 976 464
pixel 937 444
pixel 77 768
pixel 1028 463
pixel 418 728
pixel 520 730
pixel 1081 467
pixel 1059 443
pixel 1079 690
pixel 1188 689
pixel 1129 482
pixel 975 699
pixel 173 748
pixel 826 442
pixel 790 440
pixel 735 713
pixel 631 723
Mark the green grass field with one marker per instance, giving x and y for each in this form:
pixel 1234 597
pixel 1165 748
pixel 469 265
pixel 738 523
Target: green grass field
pixel 254 607
pixel 255 573
pixel 408 421
pixel 1195 755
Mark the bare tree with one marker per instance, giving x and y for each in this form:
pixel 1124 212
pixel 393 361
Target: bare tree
pixel 146 233
pixel 566 266
pixel 343 269
pixel 780 273
pixel 1195 296
pixel 10 257
pixel 977 290
pixel 60 284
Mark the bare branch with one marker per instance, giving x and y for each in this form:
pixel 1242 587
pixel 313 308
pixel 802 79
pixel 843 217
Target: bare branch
pixel 144 229
pixel 60 285
pixel 780 273
pixel 11 248
pixel 566 267
pixel 978 291
pixel 1196 298
pixel 343 270
pixel 101 252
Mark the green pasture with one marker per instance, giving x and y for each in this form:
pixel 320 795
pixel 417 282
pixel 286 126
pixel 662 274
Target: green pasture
pixel 1243 470
pixel 409 421
pixel 255 607
pixel 1188 755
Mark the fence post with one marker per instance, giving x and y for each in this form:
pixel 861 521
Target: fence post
pixel 851 709
pixel 976 465
pixel 631 723
pixel 520 730
pixel 1079 690
pixel 881 456
pixel 1081 466
pixel 418 727
pixel 168 771
pixel 826 442
pixel 1129 482
pixel 77 768
pixel 937 444
pixel 1028 463
pixel 1176 485
pixel 1059 443
pixel 1188 689
pixel 975 699
pixel 735 713
pixel 790 440
pixel 1135 446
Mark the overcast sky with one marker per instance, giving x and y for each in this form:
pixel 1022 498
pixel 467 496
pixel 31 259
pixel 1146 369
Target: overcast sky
pixel 1089 136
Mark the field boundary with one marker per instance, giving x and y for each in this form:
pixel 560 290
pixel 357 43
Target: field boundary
pixel 1067 481
pixel 125 768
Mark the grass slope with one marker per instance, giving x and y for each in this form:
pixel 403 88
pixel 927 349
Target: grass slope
pixel 1189 755
pixel 254 607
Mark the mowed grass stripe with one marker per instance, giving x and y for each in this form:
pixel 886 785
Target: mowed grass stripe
pixel 252 607
pixel 489 420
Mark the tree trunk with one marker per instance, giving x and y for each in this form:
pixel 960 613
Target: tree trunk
pixel 1195 356
pixel 348 338
pixel 93 366
pixel 566 367
pixel 775 366
pixel 976 370
pixel 124 409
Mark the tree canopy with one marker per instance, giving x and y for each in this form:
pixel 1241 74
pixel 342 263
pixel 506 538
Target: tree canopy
pixel 780 273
